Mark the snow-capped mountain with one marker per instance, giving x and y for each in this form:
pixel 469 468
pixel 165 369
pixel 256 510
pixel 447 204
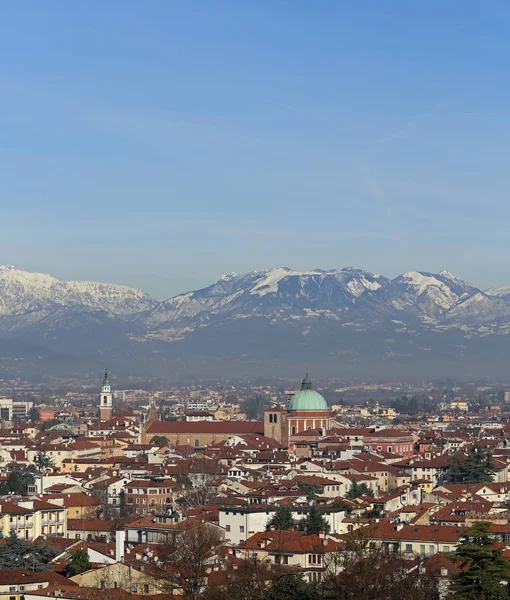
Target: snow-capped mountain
pixel 324 317
pixel 276 293
pixel 22 291
pixel 428 294
pixel 349 296
pixel 499 292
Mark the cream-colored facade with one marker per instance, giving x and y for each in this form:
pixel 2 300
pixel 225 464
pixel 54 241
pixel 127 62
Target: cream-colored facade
pixel 30 521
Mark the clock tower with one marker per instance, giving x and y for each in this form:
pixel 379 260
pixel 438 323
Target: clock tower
pixel 106 400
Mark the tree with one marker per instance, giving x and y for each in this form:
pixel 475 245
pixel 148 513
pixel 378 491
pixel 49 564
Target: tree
pixel 43 462
pixel 34 415
pixel 362 570
pixel 254 407
pixel 79 563
pixel 358 489
pixel 19 481
pixel 100 492
pixel 477 467
pixel 314 522
pixel 188 557
pixel 159 440
pixel 20 554
pixel 290 586
pixel 199 483
pixel 282 519
pixel 342 505
pixel 247 580
pixel 485 572
pixel 311 490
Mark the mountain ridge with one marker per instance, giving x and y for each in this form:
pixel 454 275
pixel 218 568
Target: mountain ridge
pixel 328 316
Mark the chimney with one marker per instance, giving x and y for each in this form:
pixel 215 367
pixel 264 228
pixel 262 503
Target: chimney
pixel 119 545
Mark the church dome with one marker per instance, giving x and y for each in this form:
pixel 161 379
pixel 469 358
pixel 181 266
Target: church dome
pixel 307 399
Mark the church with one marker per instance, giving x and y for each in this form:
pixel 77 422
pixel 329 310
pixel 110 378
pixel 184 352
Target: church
pixel 308 412
pixel 106 400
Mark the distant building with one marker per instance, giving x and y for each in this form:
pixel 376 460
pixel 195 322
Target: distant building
pixel 199 415
pixel 14 409
pixel 507 396
pixel 106 400
pixel 199 433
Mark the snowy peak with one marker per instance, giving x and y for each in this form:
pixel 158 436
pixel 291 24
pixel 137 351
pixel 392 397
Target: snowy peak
pixel 432 294
pixel 21 291
pixel 502 291
pixel 480 308
pixel 282 293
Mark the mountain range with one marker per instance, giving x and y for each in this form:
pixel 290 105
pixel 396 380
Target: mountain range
pixel 276 321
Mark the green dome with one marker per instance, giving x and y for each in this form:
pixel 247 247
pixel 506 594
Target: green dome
pixel 307 399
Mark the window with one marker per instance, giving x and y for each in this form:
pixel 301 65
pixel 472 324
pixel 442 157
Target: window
pixel 197 443
pixel 275 418
pixel 446 548
pixel 12 588
pixel 409 547
pixel 270 418
pixel 133 588
pixel 241 528
pixel 227 527
pixel 431 549
pixel 422 549
pixel 293 431
pixel 145 588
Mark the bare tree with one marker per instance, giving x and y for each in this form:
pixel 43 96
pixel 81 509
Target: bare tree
pixel 187 558
pixel 199 483
pixel 247 579
pixel 364 570
pixel 100 492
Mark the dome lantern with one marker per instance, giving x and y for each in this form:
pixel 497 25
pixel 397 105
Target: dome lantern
pixel 307 398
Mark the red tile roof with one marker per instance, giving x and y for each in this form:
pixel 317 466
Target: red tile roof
pixel 221 427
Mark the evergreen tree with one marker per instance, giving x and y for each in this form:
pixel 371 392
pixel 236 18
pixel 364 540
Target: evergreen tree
pixel 314 522
pixel 20 554
pixel 485 572
pixel 20 479
pixel 311 490
pixel 357 490
pixel 159 440
pixel 282 519
pixel 33 414
pixel 290 586
pixel 79 563
pixel 477 467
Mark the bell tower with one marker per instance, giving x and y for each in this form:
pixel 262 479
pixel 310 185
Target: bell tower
pixel 106 400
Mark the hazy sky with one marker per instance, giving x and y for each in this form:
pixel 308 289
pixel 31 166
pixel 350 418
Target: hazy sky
pixel 163 143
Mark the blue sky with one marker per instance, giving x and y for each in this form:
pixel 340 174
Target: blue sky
pixel 161 144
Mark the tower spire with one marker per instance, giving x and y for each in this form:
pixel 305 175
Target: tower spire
pixel 105 400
